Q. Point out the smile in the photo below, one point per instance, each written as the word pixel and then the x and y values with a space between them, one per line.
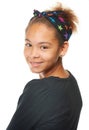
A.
pixel 35 64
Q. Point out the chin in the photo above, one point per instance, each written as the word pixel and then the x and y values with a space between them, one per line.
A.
pixel 35 71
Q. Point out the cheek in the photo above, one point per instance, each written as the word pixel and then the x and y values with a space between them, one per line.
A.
pixel 50 57
pixel 25 52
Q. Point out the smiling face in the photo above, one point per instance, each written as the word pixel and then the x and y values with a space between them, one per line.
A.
pixel 42 49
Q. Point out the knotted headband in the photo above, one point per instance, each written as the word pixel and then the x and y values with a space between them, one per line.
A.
pixel 57 18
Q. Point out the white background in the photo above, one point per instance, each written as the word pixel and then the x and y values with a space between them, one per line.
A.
pixel 14 72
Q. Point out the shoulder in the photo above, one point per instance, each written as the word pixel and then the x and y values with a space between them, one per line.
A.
pixel 48 92
pixel 51 87
pixel 35 85
pixel 48 83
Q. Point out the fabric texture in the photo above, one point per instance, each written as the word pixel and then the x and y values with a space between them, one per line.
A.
pixel 58 20
pixel 48 104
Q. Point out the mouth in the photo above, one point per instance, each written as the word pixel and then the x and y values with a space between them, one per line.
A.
pixel 35 64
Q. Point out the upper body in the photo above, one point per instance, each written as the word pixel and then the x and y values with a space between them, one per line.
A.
pixel 52 102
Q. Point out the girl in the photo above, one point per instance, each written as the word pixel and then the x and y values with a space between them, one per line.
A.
pixel 52 102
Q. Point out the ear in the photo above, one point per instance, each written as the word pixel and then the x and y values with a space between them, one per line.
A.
pixel 63 49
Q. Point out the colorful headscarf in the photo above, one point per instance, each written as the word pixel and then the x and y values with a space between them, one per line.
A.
pixel 57 18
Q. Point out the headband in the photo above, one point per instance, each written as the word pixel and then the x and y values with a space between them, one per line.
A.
pixel 57 18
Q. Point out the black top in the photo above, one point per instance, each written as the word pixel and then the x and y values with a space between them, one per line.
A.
pixel 48 104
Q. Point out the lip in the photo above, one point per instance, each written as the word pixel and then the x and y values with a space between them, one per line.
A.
pixel 35 64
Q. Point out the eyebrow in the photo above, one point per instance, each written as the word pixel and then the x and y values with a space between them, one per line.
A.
pixel 39 42
pixel 27 40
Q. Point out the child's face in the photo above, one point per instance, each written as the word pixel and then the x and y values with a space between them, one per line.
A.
pixel 42 49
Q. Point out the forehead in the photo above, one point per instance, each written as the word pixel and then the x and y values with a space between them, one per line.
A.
pixel 40 31
pixel 39 28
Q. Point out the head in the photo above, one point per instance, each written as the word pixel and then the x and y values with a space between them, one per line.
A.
pixel 45 42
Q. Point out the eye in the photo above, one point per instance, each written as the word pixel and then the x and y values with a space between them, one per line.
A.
pixel 28 45
pixel 44 47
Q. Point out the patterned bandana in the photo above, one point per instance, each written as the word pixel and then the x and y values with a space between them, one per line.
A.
pixel 57 18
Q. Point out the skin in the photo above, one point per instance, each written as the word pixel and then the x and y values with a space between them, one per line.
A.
pixel 43 51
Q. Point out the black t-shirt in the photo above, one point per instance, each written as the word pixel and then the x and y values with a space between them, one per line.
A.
pixel 48 104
